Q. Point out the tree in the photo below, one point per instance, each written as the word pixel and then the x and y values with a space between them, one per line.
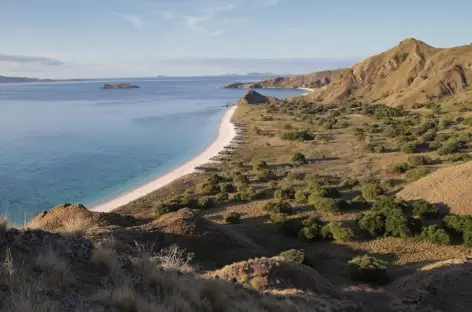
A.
pixel 298 158
pixel 371 190
pixel 368 269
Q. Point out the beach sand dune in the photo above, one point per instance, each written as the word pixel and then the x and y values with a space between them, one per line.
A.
pixel 226 134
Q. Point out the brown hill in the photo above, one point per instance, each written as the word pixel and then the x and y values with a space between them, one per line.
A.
pixel 449 186
pixel 253 97
pixel 412 72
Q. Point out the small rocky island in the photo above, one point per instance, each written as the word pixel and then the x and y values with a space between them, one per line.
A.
pixel 120 86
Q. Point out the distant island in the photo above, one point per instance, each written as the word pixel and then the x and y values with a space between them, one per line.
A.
pixel 120 86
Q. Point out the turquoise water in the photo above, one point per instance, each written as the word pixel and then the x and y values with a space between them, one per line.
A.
pixel 73 142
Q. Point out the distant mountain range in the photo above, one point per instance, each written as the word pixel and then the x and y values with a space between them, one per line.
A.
pixel 411 72
pixel 21 79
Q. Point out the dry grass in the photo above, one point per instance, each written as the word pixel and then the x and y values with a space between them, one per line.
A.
pixel 4 223
pixel 55 271
pixel 76 227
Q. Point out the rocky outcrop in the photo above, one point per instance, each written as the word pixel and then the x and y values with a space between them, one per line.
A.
pixel 253 97
pixel 120 86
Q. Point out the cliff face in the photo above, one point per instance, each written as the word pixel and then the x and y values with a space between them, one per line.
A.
pixel 412 72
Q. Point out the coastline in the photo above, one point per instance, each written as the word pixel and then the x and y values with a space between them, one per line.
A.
pixel 306 89
pixel 226 133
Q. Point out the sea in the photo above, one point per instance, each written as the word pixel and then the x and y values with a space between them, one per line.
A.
pixel 75 142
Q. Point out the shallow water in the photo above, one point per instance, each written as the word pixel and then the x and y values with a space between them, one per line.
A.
pixel 73 142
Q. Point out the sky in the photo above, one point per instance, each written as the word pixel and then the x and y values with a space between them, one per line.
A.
pixel 63 39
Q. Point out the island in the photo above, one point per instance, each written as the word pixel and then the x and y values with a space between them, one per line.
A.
pixel 120 86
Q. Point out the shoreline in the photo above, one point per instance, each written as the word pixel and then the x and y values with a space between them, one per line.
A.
pixel 226 133
pixel 306 89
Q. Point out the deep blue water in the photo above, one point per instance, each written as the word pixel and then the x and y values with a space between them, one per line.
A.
pixel 73 142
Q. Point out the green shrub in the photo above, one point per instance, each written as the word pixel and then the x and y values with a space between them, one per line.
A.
pixel 371 190
pixel 207 188
pixel 222 196
pixel 372 223
pixel 409 148
pixel 434 145
pixel 240 179
pixel 467 237
pixel 385 204
pixel 420 160
pixel 310 233
pixel 205 203
pixel 294 255
pixel 298 158
pixel 300 197
pixel 368 269
pixel 424 209
pixel 458 223
pixel 324 204
pixel 334 230
pixel 416 174
pixel 298 136
pixel 233 218
pixel 375 148
pixel 436 235
pixel 160 210
pixel 400 168
pixel 359 202
pixel 226 187
pixel 460 157
pixel 397 224
pixel 259 165
pixel 278 207
pixel 284 194
pixel 265 174
pixel 276 217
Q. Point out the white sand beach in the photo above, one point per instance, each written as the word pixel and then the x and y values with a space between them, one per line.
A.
pixel 306 89
pixel 226 134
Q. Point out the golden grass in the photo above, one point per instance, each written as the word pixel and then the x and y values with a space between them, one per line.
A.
pixel 76 227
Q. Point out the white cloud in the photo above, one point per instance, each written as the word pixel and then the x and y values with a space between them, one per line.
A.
pixel 271 2
pixel 168 15
pixel 195 21
pixel 135 20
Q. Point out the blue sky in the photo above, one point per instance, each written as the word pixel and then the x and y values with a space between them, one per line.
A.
pixel 132 38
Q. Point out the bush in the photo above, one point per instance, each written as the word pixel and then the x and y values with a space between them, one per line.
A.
pixel 298 158
pixel 368 269
pixel 371 190
pixel 300 197
pixel 284 194
pixel 458 223
pixel 222 196
pixel 233 218
pixel 397 224
pixel 400 168
pixel 240 179
pixel 226 187
pixel 434 145
pixel 436 235
pixel 264 174
pixel 420 160
pixel 385 204
pixel 335 231
pixel 416 174
pixel 293 255
pixel 205 203
pixel 467 237
pixel 372 223
pixel 409 148
pixel 311 229
pixel 207 188
pixel 278 207
pixel 160 210
pixel 298 136
pixel 324 204
pixel 359 202
pixel 259 165
pixel 424 209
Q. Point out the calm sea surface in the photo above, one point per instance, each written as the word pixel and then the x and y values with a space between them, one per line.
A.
pixel 73 142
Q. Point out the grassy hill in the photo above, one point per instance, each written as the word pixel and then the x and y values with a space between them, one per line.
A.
pixel 409 73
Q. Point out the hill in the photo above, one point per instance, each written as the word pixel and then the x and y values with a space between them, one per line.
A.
pixel 448 186
pixel 19 79
pixel 411 72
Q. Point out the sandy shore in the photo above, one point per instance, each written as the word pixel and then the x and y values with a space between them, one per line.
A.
pixel 226 134
pixel 306 89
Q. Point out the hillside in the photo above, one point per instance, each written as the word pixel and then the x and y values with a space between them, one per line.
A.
pixel 411 72
pixel 448 186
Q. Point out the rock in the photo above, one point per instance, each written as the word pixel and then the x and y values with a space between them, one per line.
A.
pixel 120 86
pixel 253 97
